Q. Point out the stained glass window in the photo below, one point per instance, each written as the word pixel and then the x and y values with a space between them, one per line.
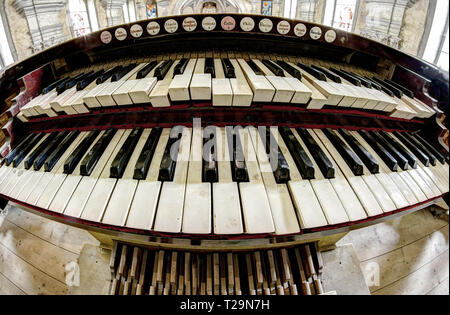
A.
pixel 151 9
pixel 79 21
pixel 344 14
pixel 266 7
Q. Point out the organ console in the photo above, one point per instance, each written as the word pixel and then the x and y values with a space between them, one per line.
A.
pixel 230 138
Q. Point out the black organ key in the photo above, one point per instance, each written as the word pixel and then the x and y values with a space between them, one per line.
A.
pixel 180 66
pixel 315 73
pixel 146 156
pixel 415 150
pixel 63 85
pixel 228 69
pixel 239 166
pixel 412 161
pixel 325 165
pixel 37 152
pixel 237 159
pixel 59 151
pixel 296 73
pixel 422 148
pixel 388 86
pixel 347 154
pixel 120 74
pixel 401 160
pixel 365 156
pixel 281 171
pixel 381 87
pixel 390 161
pixel 162 69
pixel 169 159
pixel 93 156
pixel 12 155
pixel 89 79
pixel 48 150
pixel 273 67
pixel 330 75
pixel 254 67
pixel 76 156
pixel 209 67
pixel 122 158
pixel 301 159
pixel 439 156
pixel 27 149
pixel 53 85
pixel 108 74
pixel 346 76
pixel 404 90
pixel 209 162
pixel 364 81
pixel 73 83
pixel 146 70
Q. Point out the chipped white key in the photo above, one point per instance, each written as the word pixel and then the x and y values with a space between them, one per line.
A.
pixel 119 204
pixel 81 194
pixel 197 202
pixel 283 212
pixel 171 201
pixel 227 215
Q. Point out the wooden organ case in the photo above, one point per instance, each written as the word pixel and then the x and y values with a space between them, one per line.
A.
pixel 358 131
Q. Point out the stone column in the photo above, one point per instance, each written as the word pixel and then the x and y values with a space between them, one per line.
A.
pixel 44 21
pixel 114 11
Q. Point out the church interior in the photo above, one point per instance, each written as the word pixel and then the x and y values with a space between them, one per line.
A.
pixel 356 204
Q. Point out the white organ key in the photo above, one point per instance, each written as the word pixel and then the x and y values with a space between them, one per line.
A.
pixel 283 92
pixel 263 91
pixel 423 173
pixel 242 93
pixel 179 87
pixel 200 87
pixel 41 187
pixel 57 102
pixel 18 174
pixel 372 183
pixel 255 204
pixel 119 204
pixel 24 177
pixel 143 209
pixel 349 198
pixel 226 202
pixel 171 200
pixel 404 183
pixel 359 186
pixel 383 176
pixel 197 202
pixel 159 96
pixel 222 93
pixel 67 188
pixel 302 94
pixel 54 184
pixel 329 91
pixel 105 96
pixel 329 200
pixel 140 93
pixel 28 109
pixel 317 99
pixel 104 186
pixel 309 211
pixel 81 195
pixel 283 212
